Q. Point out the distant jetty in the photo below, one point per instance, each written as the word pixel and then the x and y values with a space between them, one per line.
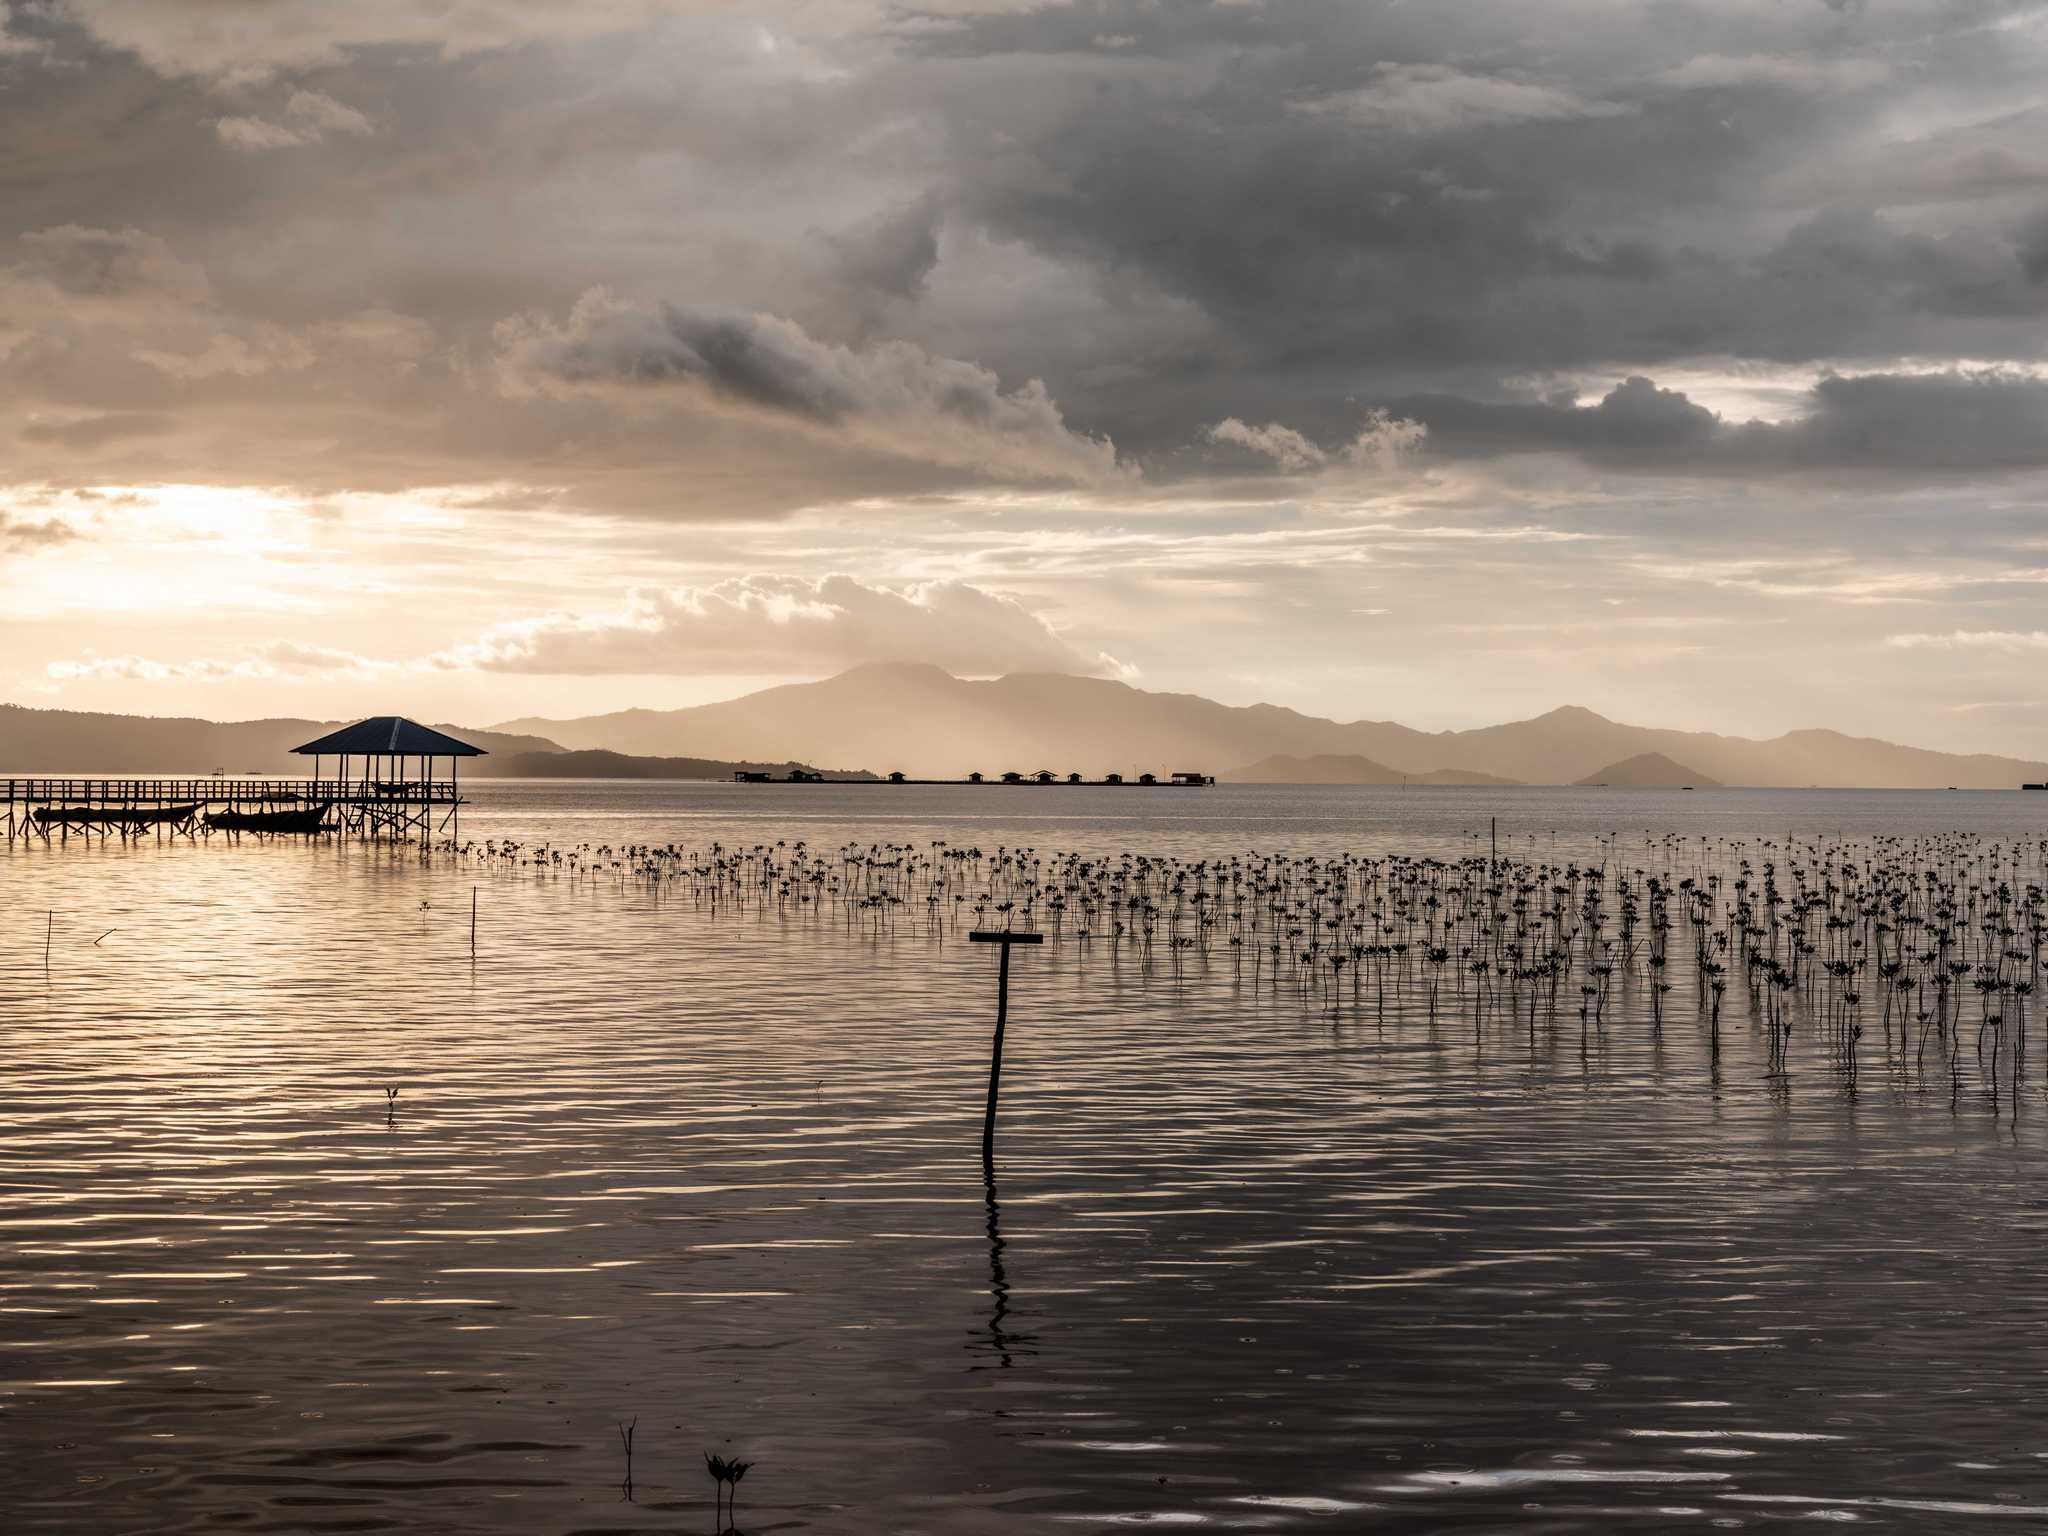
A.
pixel 1186 778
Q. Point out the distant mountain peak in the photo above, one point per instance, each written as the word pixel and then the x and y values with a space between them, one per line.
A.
pixel 921 719
pixel 1649 770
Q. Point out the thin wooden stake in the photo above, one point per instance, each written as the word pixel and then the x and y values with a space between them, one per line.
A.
pixel 1005 938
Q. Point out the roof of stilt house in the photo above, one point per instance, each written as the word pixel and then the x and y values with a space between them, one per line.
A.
pixel 388 735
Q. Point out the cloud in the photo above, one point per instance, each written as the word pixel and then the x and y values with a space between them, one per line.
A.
pixel 1275 214
pixel 1384 441
pixel 1425 99
pixel 1791 72
pixel 759 625
pixel 887 221
pixel 240 39
pixel 109 264
pixel 1381 443
pixel 253 133
pixel 273 660
pixel 12 42
pixel 1957 421
pixel 2009 642
pixel 787 625
pixel 891 253
pixel 85 433
pixel 323 114
pixel 891 396
pixel 1283 445
pixel 1943 424
pixel 19 534
pixel 290 656
pixel 86 303
pixel 314 116
pixel 1351 227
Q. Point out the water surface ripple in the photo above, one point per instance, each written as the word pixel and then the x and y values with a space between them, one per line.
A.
pixel 1245 1266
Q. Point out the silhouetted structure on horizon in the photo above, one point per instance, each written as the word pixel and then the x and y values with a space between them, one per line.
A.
pixel 388 799
pixel 395 794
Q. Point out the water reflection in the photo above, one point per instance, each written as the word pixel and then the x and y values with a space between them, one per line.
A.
pixel 1001 1341
pixel 1307 1272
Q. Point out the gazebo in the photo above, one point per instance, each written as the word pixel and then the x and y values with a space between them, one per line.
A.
pixel 386 798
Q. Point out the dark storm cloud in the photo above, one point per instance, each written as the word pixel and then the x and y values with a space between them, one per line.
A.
pixel 1016 232
pixel 893 393
pixel 1902 425
pixel 892 254
pixel 1959 422
pixel 1340 214
pixel 1359 195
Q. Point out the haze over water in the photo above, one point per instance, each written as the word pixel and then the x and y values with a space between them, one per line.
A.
pixel 1249 1264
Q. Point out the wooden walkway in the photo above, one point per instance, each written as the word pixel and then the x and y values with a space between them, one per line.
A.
pixel 136 807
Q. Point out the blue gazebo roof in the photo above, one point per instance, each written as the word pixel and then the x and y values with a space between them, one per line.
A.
pixel 388 735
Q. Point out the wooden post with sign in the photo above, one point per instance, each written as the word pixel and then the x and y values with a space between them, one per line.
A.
pixel 1006 938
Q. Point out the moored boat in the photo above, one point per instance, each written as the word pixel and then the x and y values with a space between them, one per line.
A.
pixel 311 818
pixel 113 815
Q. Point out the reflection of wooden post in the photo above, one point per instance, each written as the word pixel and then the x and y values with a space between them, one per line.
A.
pixel 1005 938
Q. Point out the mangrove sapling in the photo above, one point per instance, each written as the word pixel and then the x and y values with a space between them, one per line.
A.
pixel 626 1428
pixel 1805 924
pixel 725 1476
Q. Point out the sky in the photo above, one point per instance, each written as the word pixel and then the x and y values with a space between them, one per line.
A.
pixel 1445 363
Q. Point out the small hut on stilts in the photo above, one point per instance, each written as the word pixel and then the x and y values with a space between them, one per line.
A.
pixel 384 783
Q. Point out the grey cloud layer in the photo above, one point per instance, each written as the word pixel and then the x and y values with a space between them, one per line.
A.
pixel 238 39
pixel 739 259
pixel 893 395
pixel 1916 425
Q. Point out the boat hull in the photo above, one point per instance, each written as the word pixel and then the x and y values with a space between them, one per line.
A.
pixel 113 815
pixel 307 820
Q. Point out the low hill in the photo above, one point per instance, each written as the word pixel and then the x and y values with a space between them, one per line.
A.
pixel 1649 770
pixel 618 765
pixel 60 741
pixel 928 723
pixel 1346 768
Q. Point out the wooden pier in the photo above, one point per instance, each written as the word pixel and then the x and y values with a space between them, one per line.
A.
pixel 384 787
pixel 124 808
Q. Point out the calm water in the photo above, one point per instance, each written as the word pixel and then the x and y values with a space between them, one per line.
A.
pixel 1247 1265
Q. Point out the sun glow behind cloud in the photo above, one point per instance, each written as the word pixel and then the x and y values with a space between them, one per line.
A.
pixel 151 550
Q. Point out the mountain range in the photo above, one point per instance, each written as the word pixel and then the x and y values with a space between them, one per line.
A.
pixel 60 741
pixel 928 723
pixel 924 721
pixel 1345 768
